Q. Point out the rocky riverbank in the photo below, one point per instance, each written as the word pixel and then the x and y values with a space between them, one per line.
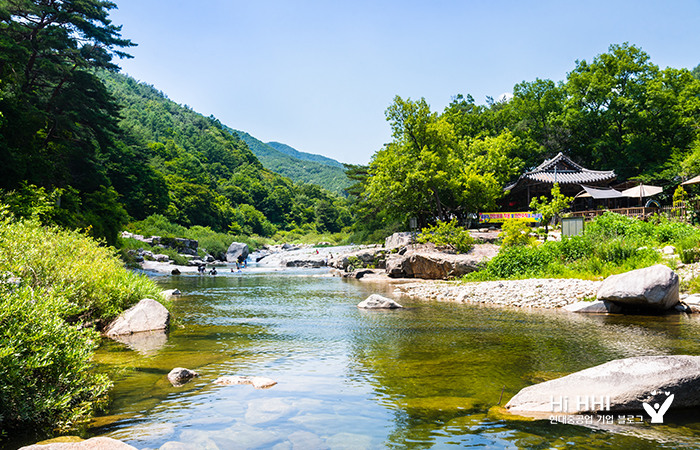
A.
pixel 530 293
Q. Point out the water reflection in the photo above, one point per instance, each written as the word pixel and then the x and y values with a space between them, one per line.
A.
pixel 423 377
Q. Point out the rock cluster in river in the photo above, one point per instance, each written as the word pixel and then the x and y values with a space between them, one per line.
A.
pixel 530 293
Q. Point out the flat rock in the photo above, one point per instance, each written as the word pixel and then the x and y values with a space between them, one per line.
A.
pixel 146 315
pixel 376 301
pixel 629 383
pixel 596 307
pixel 96 443
pixel 397 240
pixel 256 382
pixel 655 287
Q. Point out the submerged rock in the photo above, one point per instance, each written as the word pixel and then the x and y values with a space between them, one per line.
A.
pixel 655 287
pixel 376 301
pixel 256 382
pixel 619 385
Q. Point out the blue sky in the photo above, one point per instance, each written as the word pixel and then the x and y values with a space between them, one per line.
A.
pixel 318 75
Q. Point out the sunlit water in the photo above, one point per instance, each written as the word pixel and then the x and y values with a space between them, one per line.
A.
pixel 420 377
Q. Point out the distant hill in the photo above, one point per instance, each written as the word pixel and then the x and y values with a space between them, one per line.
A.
pixel 300 167
pixel 284 148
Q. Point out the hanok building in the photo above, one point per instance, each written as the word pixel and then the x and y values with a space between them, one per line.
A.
pixel 570 176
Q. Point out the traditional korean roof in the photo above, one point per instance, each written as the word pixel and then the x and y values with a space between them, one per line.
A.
pixel 563 170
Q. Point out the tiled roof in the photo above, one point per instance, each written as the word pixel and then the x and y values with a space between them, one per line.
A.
pixel 563 170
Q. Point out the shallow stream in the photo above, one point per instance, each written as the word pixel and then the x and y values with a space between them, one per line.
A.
pixel 421 377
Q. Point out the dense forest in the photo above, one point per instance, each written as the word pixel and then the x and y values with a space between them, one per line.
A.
pixel 617 112
pixel 105 149
pixel 298 166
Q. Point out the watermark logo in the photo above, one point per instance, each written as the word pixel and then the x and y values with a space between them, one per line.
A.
pixel 656 412
pixel 583 403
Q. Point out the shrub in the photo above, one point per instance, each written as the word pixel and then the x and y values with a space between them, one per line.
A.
pixel 54 282
pixel 448 234
pixel 46 376
pixel 518 261
pixel 516 232
pixel 688 248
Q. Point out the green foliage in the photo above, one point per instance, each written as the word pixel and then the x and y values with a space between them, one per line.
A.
pixel 516 232
pixel 88 275
pixel 47 381
pixel 55 285
pixel 610 244
pixel 428 172
pixel 549 208
pixel 298 166
pixel 448 234
pixel 679 196
pixel 688 249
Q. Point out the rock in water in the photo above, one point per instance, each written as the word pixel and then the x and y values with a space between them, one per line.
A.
pixel 146 315
pixel 596 307
pixel 376 301
pixel 179 376
pixel 256 382
pixel 627 383
pixel 237 251
pixel 654 287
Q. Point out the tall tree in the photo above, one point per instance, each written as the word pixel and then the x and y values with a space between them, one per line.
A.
pixel 626 114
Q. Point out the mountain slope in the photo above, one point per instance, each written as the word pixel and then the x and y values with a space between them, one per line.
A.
pixel 330 177
pixel 294 153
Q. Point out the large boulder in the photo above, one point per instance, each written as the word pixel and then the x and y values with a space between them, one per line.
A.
pixel 237 251
pixel 654 287
pixel 146 315
pixel 435 265
pixel 376 301
pixel 627 383
pixel 397 240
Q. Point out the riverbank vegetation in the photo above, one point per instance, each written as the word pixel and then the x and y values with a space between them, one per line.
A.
pixel 610 244
pixel 57 288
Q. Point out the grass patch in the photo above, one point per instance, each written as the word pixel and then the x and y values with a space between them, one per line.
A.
pixel 611 244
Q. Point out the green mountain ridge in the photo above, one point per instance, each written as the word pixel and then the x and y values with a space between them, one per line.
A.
pixel 304 168
pixel 291 151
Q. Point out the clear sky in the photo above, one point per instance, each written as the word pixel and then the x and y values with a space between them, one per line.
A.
pixel 318 75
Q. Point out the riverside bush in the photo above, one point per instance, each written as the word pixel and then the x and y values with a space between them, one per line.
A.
pixel 46 376
pixel 447 234
pixel 55 284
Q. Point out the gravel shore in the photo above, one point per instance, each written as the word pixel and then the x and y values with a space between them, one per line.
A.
pixel 531 293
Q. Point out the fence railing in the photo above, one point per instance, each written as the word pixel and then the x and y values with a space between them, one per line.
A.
pixel 672 212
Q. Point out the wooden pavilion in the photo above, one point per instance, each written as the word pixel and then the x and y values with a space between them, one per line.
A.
pixel 570 176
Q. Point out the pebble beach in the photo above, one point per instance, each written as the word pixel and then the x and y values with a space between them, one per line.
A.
pixel 529 293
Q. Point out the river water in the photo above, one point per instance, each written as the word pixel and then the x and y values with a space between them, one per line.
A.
pixel 422 377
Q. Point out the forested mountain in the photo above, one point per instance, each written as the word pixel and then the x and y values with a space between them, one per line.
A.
pixel 97 149
pixel 299 166
pixel 291 151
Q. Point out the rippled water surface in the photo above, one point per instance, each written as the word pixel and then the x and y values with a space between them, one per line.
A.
pixel 422 377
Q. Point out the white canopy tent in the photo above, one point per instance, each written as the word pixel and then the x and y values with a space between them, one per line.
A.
pixel 643 190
